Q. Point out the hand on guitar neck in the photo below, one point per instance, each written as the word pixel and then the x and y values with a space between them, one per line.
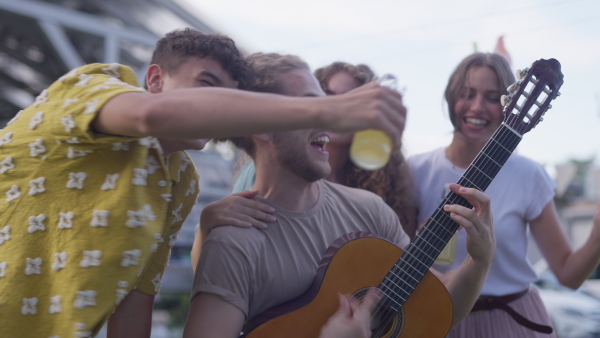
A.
pixel 481 246
pixel 481 242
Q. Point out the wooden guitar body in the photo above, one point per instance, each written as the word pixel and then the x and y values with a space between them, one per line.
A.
pixel 353 263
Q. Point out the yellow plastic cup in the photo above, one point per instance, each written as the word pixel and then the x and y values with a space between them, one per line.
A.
pixel 370 149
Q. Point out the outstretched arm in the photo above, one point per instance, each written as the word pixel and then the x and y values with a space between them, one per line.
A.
pixel 571 268
pixel 196 113
pixel 464 283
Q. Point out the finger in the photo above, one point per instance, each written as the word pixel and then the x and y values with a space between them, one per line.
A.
pixel 463 216
pixel 251 193
pixel 237 222
pixel 363 311
pixel 256 205
pixel 255 214
pixel 482 215
pixel 253 222
pixel 393 121
pixel 369 301
pixel 396 104
pixel 475 197
pixel 396 101
pixel 393 131
pixel 353 302
pixel 391 113
pixel 345 308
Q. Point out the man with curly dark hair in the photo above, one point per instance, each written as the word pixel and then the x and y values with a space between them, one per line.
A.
pixel 115 154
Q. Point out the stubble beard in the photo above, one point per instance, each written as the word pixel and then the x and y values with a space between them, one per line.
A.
pixel 298 162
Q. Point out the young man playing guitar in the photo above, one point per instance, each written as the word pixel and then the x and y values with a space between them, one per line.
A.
pixel 243 272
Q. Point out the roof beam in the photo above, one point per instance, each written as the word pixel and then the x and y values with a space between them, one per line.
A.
pixel 63 46
pixel 84 22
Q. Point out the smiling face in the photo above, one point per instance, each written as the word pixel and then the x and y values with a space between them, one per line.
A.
pixel 478 109
pixel 302 151
pixel 193 73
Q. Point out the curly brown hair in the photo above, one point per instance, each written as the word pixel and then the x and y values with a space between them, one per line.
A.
pixel 179 46
pixel 361 73
pixel 393 183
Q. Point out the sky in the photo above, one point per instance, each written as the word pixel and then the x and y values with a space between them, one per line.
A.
pixel 421 42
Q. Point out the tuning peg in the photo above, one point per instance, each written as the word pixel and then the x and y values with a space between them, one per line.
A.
pixel 521 73
pixel 505 99
pixel 557 95
pixel 514 87
pixel 549 107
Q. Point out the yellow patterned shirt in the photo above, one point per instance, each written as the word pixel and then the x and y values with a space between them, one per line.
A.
pixel 84 217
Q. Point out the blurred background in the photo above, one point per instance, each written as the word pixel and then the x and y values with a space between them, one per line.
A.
pixel 419 42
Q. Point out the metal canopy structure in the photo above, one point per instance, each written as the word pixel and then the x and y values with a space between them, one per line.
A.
pixel 40 40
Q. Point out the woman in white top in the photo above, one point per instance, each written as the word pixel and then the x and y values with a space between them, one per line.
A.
pixel 522 195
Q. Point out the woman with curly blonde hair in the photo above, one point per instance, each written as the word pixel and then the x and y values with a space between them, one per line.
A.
pixel 392 182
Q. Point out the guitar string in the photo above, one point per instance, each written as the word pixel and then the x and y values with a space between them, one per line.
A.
pixel 410 259
pixel 511 137
pixel 412 256
pixel 477 177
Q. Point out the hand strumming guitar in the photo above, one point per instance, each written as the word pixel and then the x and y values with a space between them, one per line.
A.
pixel 352 319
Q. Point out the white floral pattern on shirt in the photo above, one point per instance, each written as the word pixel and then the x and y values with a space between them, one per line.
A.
pixel 60 260
pixel 6 165
pixel 36 120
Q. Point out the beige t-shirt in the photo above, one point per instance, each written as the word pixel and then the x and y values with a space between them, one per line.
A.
pixel 258 269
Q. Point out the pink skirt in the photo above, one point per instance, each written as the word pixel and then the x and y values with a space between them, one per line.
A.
pixel 497 323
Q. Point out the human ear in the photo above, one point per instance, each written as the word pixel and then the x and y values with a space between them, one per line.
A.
pixel 154 78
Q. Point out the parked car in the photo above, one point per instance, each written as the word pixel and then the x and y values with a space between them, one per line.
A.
pixel 574 313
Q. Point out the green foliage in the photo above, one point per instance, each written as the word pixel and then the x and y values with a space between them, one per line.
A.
pixel 177 304
pixel 576 188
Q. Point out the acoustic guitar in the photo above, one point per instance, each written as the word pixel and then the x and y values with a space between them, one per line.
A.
pixel 414 303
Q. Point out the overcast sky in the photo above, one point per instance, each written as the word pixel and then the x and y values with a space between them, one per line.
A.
pixel 421 42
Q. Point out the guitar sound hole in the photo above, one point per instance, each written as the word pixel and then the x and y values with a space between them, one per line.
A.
pixel 386 322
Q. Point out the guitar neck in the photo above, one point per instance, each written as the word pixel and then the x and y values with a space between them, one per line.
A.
pixel 420 255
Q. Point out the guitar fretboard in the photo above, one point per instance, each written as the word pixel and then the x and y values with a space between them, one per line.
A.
pixel 420 255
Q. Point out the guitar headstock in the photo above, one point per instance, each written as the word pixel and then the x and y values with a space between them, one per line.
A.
pixel 535 86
